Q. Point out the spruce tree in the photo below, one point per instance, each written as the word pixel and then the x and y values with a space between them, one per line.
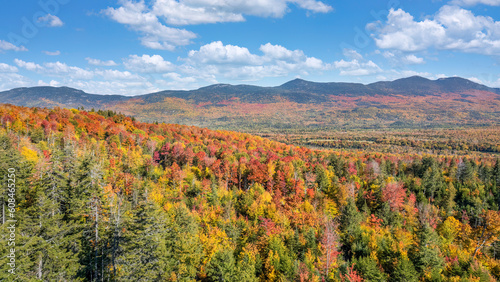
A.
pixel 143 253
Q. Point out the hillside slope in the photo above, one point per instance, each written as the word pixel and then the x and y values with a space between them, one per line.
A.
pixel 404 103
pixel 106 197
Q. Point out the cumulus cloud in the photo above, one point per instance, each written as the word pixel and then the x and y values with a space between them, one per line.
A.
pixel 62 69
pixel 138 17
pixel 475 79
pixel 357 68
pixel 49 53
pixel 356 65
pixel 56 69
pixel 28 65
pixel 207 65
pixel 352 54
pixel 237 62
pixel 7 46
pixel 122 87
pixel 152 20
pixel 181 13
pixel 148 64
pixel 5 68
pixel 13 80
pixel 51 21
pixel 118 75
pixel 97 62
pixel 451 28
pixel 102 81
pixel 413 60
pixel 476 2
pixel 53 83
pixel 187 12
pixel 279 52
pixel 217 53
pixel 175 80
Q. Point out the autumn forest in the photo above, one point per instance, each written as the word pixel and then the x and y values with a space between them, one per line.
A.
pixel 103 197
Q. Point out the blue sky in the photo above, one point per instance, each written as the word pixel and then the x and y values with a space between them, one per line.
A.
pixel 134 47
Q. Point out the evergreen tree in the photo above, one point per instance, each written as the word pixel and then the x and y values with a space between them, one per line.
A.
pixel 88 208
pixel 425 254
pixel 183 247
pixel 404 272
pixel 350 229
pixel 368 268
pixel 222 266
pixel 143 252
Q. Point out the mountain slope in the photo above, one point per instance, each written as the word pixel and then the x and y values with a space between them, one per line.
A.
pixel 412 102
pixel 46 96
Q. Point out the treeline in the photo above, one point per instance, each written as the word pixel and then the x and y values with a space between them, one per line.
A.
pixel 101 198
pixel 374 143
pixel 444 141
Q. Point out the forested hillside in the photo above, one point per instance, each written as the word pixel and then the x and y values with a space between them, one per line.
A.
pixel 103 197
pixel 408 103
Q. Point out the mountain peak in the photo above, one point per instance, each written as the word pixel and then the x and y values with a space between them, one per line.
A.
pixel 298 82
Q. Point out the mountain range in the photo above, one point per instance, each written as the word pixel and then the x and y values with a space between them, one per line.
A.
pixel 409 102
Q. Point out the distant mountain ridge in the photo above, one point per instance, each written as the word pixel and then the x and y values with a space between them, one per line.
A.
pixel 297 90
pixel 408 102
pixel 48 96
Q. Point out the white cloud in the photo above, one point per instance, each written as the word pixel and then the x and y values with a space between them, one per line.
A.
pixel 452 28
pixel 281 53
pixel 476 2
pixel 28 65
pixel 352 54
pixel 7 46
pixel 5 68
pixel 53 83
pixel 55 53
pixel 97 62
pixel 399 59
pixel 56 69
pixel 51 21
pixel 397 74
pixel 178 78
pixel 175 80
pixel 356 65
pixel 237 62
pixel 413 60
pixel 357 68
pixel 150 20
pixel 62 69
pixel 186 12
pixel 182 13
pixel 148 64
pixel 207 65
pixel 13 80
pixel 118 75
pixel 314 63
pixel 217 53
pixel 314 6
pixel 122 87
pixel 155 35
pixel 388 55
pixel 475 79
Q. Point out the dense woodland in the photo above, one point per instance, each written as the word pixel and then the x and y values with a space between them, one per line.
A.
pixel 477 141
pixel 103 197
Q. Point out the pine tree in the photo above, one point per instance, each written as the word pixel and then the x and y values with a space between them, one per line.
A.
pixel 142 250
pixel 350 229
pixel 182 243
pixel 87 207
pixel 404 272
pixel 222 266
pixel 367 267
pixel 425 254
